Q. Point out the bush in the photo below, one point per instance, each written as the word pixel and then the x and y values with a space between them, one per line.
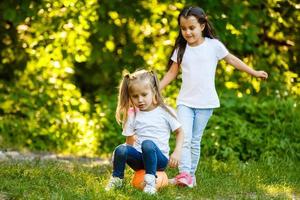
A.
pixel 253 127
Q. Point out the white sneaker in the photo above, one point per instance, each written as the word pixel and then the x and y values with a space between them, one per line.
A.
pixel 114 182
pixel 150 184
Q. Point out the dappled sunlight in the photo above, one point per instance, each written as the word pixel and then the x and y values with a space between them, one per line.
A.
pixel 86 142
pixel 278 190
pixel 291 78
pixel 110 45
pixel 60 66
pixel 256 84
pixel 115 17
pixel 61 62
pixel 239 94
pixel 231 85
pixel 232 29
pixel 96 163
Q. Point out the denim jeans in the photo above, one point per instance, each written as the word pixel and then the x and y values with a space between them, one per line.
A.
pixel 151 159
pixel 193 122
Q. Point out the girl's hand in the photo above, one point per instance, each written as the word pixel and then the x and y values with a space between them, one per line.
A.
pixel 130 140
pixel 174 159
pixel 261 74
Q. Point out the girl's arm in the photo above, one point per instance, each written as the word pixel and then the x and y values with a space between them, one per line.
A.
pixel 175 156
pixel 130 140
pixel 240 65
pixel 170 76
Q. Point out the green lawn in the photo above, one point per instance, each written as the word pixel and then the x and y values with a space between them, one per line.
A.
pixel 217 180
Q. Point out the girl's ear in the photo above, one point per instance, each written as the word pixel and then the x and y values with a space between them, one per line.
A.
pixel 202 26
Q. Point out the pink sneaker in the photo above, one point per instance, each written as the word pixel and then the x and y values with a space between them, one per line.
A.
pixel 184 179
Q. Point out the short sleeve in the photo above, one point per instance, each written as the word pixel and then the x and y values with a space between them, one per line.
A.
pixel 174 55
pixel 128 129
pixel 173 122
pixel 221 50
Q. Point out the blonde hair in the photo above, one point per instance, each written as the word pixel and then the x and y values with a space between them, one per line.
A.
pixel 124 102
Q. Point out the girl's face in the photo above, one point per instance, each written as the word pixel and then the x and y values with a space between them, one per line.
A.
pixel 191 30
pixel 142 96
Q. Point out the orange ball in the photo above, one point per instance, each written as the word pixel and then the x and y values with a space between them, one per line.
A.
pixel 138 179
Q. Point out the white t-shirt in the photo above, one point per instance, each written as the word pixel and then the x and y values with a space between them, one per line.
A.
pixel 154 125
pixel 198 74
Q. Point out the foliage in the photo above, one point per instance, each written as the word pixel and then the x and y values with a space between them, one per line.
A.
pixel 44 109
pixel 61 62
pixel 251 128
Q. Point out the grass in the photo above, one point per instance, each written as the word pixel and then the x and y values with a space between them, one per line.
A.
pixel 216 180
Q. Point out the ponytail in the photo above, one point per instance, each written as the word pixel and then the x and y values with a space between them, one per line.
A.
pixel 158 96
pixel 123 101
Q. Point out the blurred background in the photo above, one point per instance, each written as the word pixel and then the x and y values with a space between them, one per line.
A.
pixel 61 63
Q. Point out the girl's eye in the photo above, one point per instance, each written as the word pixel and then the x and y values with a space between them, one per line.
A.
pixel 144 94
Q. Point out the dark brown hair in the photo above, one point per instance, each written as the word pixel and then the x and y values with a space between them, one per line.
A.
pixel 180 42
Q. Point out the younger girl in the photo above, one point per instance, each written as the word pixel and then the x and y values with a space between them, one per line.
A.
pixel 147 123
pixel 197 53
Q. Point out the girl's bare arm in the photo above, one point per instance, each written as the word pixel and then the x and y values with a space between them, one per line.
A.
pixel 240 65
pixel 175 156
pixel 169 76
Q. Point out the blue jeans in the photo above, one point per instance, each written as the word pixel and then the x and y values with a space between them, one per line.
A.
pixel 151 159
pixel 193 122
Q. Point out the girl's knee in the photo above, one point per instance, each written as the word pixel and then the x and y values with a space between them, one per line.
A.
pixel 148 145
pixel 121 150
